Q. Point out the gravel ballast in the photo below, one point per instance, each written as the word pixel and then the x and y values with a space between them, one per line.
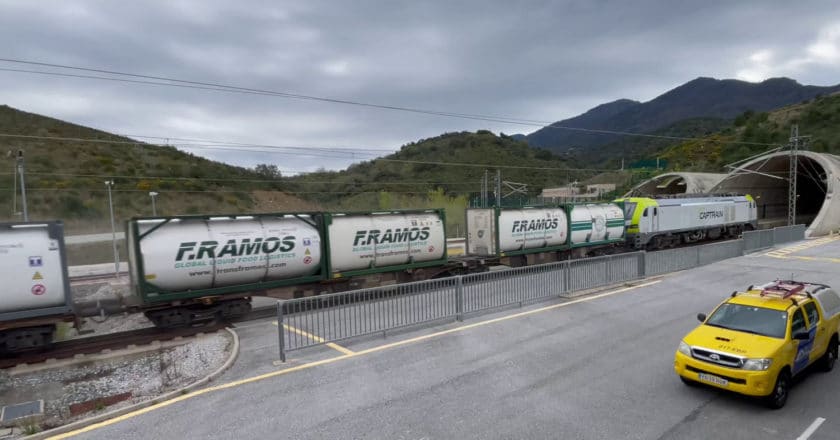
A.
pixel 84 389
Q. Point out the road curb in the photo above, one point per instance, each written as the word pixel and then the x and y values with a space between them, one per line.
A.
pixel 146 403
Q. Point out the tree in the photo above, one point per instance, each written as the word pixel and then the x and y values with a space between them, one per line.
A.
pixel 268 171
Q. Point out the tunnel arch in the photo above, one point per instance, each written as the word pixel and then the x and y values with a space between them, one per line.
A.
pixel 677 183
pixel 766 179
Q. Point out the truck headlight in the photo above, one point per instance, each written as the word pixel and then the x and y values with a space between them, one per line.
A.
pixel 757 364
pixel 684 348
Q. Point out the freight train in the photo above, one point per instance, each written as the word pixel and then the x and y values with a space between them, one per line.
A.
pixel 189 269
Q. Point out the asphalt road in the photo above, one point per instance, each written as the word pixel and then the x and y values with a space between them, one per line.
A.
pixel 600 368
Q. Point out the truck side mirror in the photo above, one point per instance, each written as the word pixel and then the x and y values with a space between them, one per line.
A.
pixel 802 336
pixel 701 317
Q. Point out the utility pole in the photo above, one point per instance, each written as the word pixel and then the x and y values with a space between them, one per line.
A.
pixel 14 187
pixel 498 188
pixel 109 184
pixel 794 165
pixel 152 194
pixel 20 170
pixel 484 189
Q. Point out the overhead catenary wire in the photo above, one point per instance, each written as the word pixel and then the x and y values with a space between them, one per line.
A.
pixel 214 179
pixel 198 191
pixel 177 82
pixel 218 145
pixel 442 163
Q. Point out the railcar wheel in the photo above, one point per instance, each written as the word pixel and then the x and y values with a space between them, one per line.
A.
pixel 169 318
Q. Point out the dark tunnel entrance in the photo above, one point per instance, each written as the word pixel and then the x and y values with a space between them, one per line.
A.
pixel 767 181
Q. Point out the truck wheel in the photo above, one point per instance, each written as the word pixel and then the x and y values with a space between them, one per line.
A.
pixel 830 357
pixel 778 397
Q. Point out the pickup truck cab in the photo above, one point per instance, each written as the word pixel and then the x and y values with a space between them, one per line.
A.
pixel 754 342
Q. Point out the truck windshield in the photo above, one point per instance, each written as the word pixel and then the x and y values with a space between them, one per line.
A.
pixel 749 319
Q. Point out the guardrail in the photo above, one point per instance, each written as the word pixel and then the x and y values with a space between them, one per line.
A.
pixel 307 322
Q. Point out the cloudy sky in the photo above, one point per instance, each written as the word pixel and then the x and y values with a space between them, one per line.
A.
pixel 529 60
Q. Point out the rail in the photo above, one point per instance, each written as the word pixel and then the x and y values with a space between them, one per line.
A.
pixel 96 344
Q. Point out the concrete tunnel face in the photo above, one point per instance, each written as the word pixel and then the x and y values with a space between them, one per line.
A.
pixel 767 180
pixel 664 185
pixel 677 183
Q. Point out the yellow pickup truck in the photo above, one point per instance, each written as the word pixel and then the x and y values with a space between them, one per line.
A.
pixel 754 342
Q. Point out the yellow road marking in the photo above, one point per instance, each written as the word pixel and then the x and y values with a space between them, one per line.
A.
pixel 802 257
pixel 316 338
pixel 784 252
pixel 309 365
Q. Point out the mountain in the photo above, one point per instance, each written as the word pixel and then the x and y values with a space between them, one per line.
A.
pixel 755 132
pixel 700 98
pixel 452 162
pixel 439 172
pixel 66 166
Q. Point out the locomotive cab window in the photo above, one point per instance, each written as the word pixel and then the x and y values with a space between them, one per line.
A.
pixel 645 213
pixel 655 211
pixel 629 209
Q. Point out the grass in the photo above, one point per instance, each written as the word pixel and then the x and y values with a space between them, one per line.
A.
pixel 29 425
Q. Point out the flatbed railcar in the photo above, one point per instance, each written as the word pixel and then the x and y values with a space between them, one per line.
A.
pixel 535 235
pixel 35 295
pixel 191 268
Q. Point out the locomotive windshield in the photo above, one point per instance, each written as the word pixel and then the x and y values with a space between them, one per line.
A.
pixel 629 209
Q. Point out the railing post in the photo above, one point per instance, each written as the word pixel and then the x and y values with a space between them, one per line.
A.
pixel 642 264
pixel 567 277
pixel 280 331
pixel 607 262
pixel 459 298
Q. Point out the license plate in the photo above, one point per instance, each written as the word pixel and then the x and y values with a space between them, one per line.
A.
pixel 713 379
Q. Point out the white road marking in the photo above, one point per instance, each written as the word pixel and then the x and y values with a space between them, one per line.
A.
pixel 811 429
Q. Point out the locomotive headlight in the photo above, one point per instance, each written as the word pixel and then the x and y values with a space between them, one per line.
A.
pixel 757 364
pixel 684 348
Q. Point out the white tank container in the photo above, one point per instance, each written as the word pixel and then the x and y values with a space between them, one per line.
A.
pixel 366 241
pixel 31 270
pixel 189 254
pixel 534 228
pixel 594 223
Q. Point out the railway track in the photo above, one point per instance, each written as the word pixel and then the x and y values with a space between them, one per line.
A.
pixel 98 344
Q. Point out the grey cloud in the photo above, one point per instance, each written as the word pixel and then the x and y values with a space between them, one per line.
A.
pixel 534 60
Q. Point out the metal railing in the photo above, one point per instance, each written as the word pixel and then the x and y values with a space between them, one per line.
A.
pixel 307 322
pixel 767 238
